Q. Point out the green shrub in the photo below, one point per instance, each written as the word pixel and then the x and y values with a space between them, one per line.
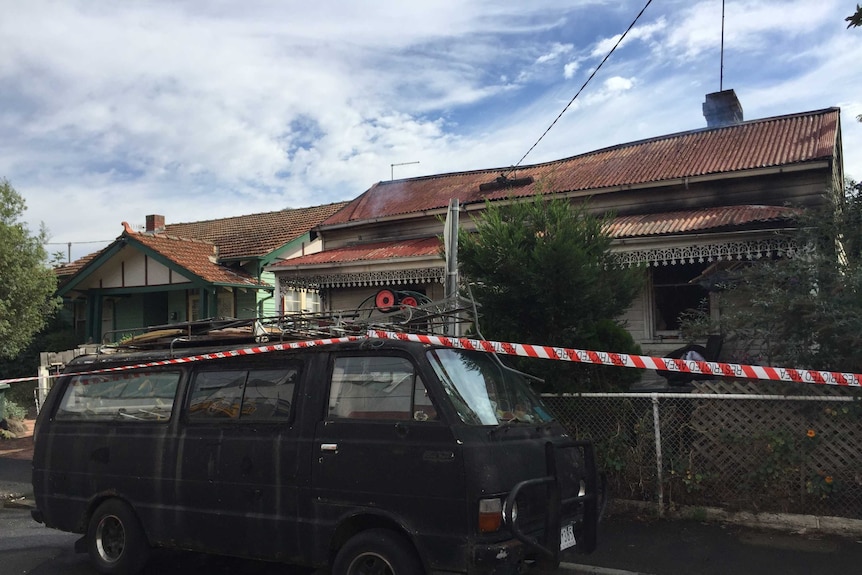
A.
pixel 13 410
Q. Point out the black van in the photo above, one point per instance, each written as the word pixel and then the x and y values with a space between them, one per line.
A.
pixel 369 456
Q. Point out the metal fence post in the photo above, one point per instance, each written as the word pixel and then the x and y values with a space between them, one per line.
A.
pixel 658 462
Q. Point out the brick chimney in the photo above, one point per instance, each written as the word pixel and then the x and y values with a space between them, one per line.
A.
pixel 155 224
pixel 722 109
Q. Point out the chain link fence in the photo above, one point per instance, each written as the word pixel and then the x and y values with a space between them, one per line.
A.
pixel 752 446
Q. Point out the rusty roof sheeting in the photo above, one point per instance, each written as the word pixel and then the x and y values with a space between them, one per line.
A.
pixel 771 142
pixel 622 227
pixel 376 251
pixel 696 220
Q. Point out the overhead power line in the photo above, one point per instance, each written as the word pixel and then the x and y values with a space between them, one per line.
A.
pixel 560 115
pixel 76 243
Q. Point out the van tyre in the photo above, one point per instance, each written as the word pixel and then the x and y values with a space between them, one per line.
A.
pixel 115 540
pixel 377 552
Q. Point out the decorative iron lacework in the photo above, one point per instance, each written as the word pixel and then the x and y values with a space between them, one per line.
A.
pixel 750 250
pixel 743 250
pixel 363 279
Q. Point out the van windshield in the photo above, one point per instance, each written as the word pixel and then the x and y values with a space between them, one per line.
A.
pixel 483 391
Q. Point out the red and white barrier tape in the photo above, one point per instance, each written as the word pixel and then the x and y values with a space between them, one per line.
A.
pixel 635 361
pixel 206 356
pixel 714 368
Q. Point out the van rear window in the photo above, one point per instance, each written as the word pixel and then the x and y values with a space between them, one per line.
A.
pixel 131 396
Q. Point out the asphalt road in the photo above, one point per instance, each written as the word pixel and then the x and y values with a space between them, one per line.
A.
pixel 628 544
pixel 29 548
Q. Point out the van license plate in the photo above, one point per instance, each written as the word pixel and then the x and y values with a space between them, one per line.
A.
pixel 567 537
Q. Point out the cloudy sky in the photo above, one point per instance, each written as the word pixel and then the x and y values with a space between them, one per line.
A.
pixel 203 109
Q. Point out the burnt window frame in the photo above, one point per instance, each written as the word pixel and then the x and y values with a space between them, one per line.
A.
pixel 689 270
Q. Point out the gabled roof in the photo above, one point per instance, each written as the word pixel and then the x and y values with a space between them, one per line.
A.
pixel 790 140
pixel 255 235
pixel 196 256
pixel 376 251
pixel 65 271
pixel 189 257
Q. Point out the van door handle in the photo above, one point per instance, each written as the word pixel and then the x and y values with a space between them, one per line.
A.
pixel 329 447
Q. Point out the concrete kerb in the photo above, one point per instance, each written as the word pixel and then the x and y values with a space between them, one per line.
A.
pixel 788 522
pixel 15 502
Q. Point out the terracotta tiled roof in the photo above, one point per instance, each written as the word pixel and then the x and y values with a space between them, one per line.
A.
pixel 65 271
pixel 377 251
pixel 696 220
pixel 255 235
pixel 780 141
pixel 196 256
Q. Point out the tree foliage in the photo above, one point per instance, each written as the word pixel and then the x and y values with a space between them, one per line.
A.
pixel 27 284
pixel 855 19
pixel 543 273
pixel 806 310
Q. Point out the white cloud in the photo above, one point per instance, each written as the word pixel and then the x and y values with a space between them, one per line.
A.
pixel 642 32
pixel 199 110
pixel 555 52
pixel 618 84
pixel 570 68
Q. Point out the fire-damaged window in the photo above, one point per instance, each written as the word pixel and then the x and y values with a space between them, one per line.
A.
pixel 675 289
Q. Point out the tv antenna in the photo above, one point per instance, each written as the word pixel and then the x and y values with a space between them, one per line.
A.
pixel 392 168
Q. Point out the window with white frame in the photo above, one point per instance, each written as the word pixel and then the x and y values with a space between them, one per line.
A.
pixel 291 301
pixel 312 301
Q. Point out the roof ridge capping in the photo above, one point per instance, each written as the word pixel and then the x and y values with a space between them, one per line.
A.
pixel 512 169
pixel 783 117
pixel 256 214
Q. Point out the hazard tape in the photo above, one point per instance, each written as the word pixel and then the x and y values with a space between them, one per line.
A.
pixel 634 361
pixel 714 368
pixel 207 356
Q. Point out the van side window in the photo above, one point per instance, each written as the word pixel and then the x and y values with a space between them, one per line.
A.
pixel 216 394
pixel 255 394
pixel 125 396
pixel 268 393
pixel 378 387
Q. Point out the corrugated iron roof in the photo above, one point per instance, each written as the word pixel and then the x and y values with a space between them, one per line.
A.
pixel 771 142
pixel 376 251
pixel 696 220
pixel 255 235
pixel 729 217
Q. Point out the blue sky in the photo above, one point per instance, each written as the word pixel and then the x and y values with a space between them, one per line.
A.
pixel 198 109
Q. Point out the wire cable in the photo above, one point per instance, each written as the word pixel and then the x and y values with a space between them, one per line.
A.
pixel 560 115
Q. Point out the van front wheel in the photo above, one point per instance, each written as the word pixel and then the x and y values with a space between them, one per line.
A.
pixel 115 540
pixel 377 552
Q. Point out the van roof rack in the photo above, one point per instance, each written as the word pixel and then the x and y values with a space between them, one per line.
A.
pixel 453 317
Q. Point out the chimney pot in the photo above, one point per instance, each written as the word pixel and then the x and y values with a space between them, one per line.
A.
pixel 722 109
pixel 155 223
